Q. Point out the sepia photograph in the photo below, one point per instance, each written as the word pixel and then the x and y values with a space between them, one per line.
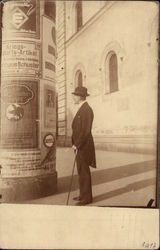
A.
pixel 79 106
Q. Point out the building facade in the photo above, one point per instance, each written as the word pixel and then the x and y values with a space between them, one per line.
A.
pixel 110 47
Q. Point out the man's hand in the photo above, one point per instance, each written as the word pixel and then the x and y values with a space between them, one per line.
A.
pixel 75 149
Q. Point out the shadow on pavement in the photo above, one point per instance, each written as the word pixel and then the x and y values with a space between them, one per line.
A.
pixel 131 187
pixel 107 175
pixel 112 174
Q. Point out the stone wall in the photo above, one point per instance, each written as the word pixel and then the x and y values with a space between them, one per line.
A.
pixel 126 119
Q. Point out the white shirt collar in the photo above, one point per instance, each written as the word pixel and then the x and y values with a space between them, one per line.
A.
pixel 81 103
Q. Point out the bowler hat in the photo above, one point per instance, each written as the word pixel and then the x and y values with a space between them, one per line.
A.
pixel 80 91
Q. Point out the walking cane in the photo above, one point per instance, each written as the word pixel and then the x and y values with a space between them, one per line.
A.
pixel 72 177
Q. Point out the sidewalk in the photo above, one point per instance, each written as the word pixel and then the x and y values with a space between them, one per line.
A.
pixel 121 179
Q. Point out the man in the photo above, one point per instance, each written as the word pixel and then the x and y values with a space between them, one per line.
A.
pixel 83 144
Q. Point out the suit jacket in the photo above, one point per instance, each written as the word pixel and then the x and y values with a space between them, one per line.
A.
pixel 81 134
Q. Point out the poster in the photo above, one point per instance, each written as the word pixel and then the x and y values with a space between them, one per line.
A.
pixel 22 18
pixel 21 58
pixel 49 49
pixel 19 111
pixel 50 107
pixel 21 163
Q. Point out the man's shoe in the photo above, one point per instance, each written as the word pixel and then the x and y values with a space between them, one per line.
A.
pixel 77 198
pixel 83 202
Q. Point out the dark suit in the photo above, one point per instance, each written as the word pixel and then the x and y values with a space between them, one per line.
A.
pixel 83 140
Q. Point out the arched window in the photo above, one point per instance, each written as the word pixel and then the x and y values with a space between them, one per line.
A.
pixel 79 79
pixel 50 9
pixel 78 15
pixel 111 73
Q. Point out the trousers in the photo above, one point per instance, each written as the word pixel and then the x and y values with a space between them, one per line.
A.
pixel 84 174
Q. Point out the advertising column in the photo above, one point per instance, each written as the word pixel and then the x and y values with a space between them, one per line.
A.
pixel 28 148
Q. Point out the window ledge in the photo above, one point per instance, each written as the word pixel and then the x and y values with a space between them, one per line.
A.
pixel 108 93
pixel 107 97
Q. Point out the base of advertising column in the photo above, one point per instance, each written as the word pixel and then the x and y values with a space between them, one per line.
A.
pixel 28 188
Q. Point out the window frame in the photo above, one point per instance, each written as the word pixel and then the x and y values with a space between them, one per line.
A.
pixel 78 15
pixel 107 82
pixel 78 72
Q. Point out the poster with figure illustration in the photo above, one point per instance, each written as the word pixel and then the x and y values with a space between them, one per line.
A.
pixel 50 107
pixel 19 112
